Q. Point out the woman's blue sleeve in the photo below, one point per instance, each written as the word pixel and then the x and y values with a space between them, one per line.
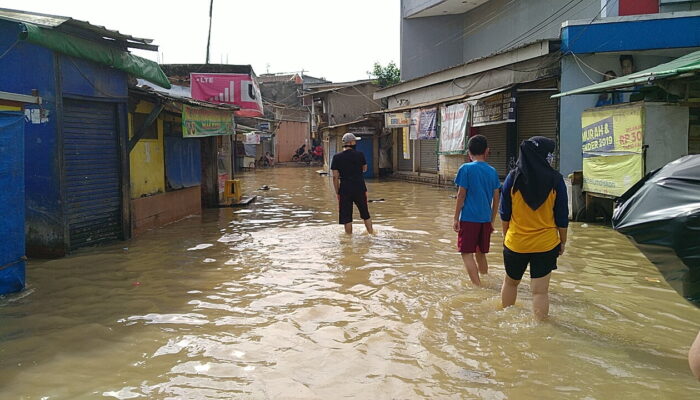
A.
pixel 505 208
pixel 561 205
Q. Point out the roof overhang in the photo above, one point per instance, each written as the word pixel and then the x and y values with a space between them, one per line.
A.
pixel 20 98
pixel 436 8
pixel 465 97
pixel 336 89
pixel 356 122
pixel 185 70
pixel 686 66
pixel 78 28
pixel 96 52
pixel 157 96
pixel 523 53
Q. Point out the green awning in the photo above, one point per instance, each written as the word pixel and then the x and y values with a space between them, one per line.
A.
pixel 687 63
pixel 93 51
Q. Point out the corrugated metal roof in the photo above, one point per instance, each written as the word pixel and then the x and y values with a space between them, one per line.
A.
pixel 456 68
pixel 420 105
pixel 70 25
pixel 267 78
pixel 43 20
pixel 175 90
pixel 330 85
pixel 465 97
pixel 153 94
pixel 185 70
pixel 335 89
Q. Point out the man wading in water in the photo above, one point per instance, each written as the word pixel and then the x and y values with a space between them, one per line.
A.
pixel 475 208
pixel 349 183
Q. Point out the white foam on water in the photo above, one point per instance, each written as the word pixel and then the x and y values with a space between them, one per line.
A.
pixel 202 367
pixel 124 393
pixel 200 246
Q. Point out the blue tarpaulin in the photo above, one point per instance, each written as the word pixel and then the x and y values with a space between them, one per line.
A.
pixel 183 165
pixel 12 265
pixel 250 150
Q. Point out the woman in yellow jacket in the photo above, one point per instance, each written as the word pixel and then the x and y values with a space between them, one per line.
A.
pixel 535 213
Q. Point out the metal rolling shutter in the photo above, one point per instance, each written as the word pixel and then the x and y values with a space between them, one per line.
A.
pixel 496 136
pixel 92 173
pixel 428 156
pixel 537 115
pixel 404 165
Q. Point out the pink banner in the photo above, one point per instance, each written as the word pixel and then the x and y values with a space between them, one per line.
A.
pixel 238 89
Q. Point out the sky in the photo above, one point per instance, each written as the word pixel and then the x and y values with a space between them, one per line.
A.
pixel 333 39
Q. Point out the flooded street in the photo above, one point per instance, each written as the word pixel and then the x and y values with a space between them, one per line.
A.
pixel 274 301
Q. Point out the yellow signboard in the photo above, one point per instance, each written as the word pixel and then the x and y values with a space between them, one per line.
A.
pixel 397 120
pixel 616 129
pixel 611 175
pixel 612 140
pixel 406 144
pixel 202 122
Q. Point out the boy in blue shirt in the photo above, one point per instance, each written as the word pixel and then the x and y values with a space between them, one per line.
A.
pixel 476 208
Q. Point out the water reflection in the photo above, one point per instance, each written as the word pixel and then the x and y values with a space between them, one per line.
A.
pixel 274 301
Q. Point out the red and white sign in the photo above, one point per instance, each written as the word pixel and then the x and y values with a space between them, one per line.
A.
pixel 238 89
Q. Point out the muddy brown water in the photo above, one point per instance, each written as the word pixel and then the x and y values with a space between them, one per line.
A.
pixel 274 301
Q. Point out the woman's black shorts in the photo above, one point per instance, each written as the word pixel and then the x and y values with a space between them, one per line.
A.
pixel 540 263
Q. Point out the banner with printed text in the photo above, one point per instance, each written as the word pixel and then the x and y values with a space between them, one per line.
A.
pixel 611 142
pixel 427 127
pixel 617 129
pixel 611 175
pixel 202 122
pixel 414 124
pixel 237 89
pixel 251 138
pixel 453 128
pixel 406 144
pixel 397 120
pixel 496 109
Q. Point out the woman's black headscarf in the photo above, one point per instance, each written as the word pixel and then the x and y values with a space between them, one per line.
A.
pixel 533 176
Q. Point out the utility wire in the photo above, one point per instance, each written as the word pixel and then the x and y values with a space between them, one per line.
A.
pixel 90 82
pixel 543 24
pixel 367 97
pixel 591 22
pixel 588 66
pixel 9 48
pixel 529 33
pixel 580 68
pixel 475 27
pixel 471 29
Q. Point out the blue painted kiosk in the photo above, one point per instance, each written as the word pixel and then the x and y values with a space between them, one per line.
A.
pixel 77 177
pixel 12 275
pixel 12 260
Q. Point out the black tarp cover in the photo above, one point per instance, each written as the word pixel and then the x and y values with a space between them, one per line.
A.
pixel 661 214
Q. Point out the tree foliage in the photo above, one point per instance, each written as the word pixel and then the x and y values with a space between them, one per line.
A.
pixel 386 76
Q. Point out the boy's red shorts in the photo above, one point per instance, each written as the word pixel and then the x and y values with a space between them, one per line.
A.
pixel 474 236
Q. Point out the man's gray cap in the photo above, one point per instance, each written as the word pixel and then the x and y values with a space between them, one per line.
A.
pixel 349 137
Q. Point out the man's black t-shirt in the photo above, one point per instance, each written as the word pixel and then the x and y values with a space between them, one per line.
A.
pixel 349 164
